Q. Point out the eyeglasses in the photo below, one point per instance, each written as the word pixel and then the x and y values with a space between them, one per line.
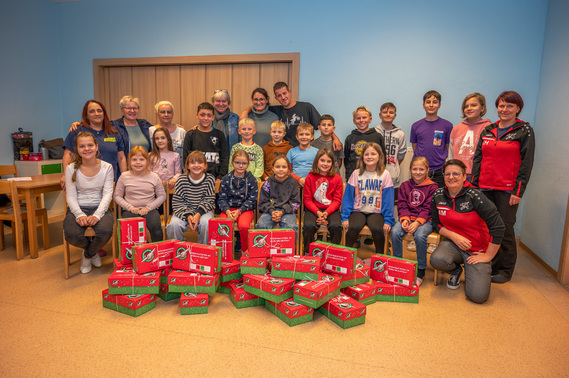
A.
pixel 240 163
pixel 131 109
pixel 453 174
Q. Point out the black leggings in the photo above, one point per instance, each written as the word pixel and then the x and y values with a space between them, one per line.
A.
pixel 310 227
pixel 375 223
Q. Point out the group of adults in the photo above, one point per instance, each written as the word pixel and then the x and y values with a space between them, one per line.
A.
pixel 501 169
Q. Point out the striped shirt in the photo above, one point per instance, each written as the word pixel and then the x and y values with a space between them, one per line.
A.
pixel 193 197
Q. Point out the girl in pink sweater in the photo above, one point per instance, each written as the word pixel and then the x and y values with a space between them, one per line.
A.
pixel 139 192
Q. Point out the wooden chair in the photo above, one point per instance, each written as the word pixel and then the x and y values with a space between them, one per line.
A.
pixel 433 238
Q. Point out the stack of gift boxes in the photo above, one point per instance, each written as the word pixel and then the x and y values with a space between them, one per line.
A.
pixel 292 287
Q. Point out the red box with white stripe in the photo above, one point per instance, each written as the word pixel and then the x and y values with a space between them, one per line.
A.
pixel 199 258
pixel 394 270
pixel 271 243
pixel 334 258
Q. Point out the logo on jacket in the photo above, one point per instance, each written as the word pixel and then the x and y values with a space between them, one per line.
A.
pixel 464 206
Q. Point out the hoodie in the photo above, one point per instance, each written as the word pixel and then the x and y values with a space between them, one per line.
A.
pixel 354 144
pixel 270 152
pixel 238 192
pixel 464 139
pixel 414 200
pixel 277 194
pixel 396 146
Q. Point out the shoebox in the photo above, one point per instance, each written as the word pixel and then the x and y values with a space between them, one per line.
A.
pixel 335 259
pixel 164 292
pixel 360 276
pixel 344 311
pixel 225 287
pixel 393 270
pixel 297 267
pixel 271 243
pixel 290 312
pixel 315 293
pixel 119 265
pixel 250 265
pixel 127 282
pixel 364 293
pixel 230 271
pixel 267 287
pixel 199 258
pixel 221 235
pixel 131 231
pixel 386 292
pixel 181 281
pixel 152 257
pixel 242 299
pixel 191 303
pixel 133 305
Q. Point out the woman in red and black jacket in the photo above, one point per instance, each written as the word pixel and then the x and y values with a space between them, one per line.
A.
pixel 501 169
pixel 473 230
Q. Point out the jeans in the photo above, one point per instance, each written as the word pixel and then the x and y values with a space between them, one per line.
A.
pixel 374 221
pixel 153 223
pixel 420 236
pixel 287 221
pixel 448 258
pixel 310 227
pixel 74 232
pixel 177 227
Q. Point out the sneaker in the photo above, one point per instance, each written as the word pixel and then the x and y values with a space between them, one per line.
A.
pixel 411 246
pixel 96 261
pixel 454 281
pixel 102 252
pixel 431 248
pixel 500 279
pixel 85 264
pixel 419 281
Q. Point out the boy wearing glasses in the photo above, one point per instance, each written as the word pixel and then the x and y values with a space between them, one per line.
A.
pixel 246 131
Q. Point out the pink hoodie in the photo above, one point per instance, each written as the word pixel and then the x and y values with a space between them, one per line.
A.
pixel 464 139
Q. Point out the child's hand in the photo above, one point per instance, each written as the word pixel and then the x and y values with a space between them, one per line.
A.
pixel 346 224
pixel 276 216
pixel 82 221
pixel 405 225
pixel 143 211
pixel 413 227
pixel 172 183
pixel 92 220
pixel 386 228
pixel 301 182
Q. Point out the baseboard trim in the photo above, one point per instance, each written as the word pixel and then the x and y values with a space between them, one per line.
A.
pixel 539 260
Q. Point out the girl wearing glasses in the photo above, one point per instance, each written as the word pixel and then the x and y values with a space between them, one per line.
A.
pixel 473 230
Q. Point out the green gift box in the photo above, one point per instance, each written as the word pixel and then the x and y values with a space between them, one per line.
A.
pixel 290 312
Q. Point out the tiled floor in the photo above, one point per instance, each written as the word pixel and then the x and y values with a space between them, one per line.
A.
pixel 55 327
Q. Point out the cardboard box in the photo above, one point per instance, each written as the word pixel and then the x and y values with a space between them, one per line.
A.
pixel 267 287
pixel 250 265
pixel 131 231
pixel 225 287
pixel 271 243
pixel 119 265
pixel 360 276
pixel 242 299
pixel 290 312
pixel 152 257
pixel 127 282
pixel 363 293
pixel 297 267
pixel 230 271
pixel 344 311
pixel 133 305
pixel 191 303
pixel 199 258
pixel 394 270
pixel 165 293
pixel 315 293
pixel 181 281
pixel 386 292
pixel 335 259
pixel 221 235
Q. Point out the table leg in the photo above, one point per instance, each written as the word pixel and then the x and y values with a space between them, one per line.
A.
pixel 32 224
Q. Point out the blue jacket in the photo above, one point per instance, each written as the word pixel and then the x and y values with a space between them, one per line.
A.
pixel 233 126
pixel 144 126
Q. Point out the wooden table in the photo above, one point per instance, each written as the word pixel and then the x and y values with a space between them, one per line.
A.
pixel 38 185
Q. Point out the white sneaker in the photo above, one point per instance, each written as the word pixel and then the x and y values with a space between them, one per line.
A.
pixel 96 261
pixel 85 264
pixel 411 246
pixel 431 248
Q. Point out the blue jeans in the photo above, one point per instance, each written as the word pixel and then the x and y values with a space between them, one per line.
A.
pixel 287 221
pixel 420 236
pixel 448 258
pixel 177 227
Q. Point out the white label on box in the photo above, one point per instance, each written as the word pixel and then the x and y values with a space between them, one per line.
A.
pixel 336 268
pixel 201 268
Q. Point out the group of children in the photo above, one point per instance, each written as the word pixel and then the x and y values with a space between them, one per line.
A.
pixel 371 156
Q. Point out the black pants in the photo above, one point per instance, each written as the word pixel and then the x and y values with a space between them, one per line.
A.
pixel 310 227
pixel 153 223
pixel 375 223
pixel 437 177
pixel 74 233
pixel 505 260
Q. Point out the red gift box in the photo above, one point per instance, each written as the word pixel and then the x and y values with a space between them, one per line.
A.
pixel 315 293
pixel 271 243
pixel 153 256
pixel 334 258
pixel 270 288
pixel 241 299
pixel 225 287
pixel 386 292
pixel 290 312
pixel 191 303
pixel 364 293
pixel 360 276
pixel 393 270
pixel 131 231
pixel 250 265
pixel 344 311
pixel 127 281
pixel 297 267
pixel 199 258
pixel 181 281
pixel 230 271
pixel 221 235
pixel 133 305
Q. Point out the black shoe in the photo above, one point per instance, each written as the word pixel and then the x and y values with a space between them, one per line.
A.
pixel 500 279
pixel 454 280
pixel 421 273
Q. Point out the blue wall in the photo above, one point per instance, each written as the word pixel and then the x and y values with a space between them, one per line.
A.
pixel 546 197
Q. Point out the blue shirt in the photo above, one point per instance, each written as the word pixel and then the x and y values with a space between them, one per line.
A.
pixel 302 160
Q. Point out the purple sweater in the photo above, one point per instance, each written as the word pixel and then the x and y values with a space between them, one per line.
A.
pixel 414 201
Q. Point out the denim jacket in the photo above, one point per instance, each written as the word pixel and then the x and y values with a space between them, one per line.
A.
pixel 144 127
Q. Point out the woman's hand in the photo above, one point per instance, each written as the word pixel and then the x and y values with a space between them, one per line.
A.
pixel 413 227
pixel 134 210
pixel 514 200
pixel 386 228
pixel 461 242
pixel 82 221
pixel 478 258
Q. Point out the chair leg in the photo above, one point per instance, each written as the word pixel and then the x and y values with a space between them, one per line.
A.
pixel 2 240
pixel 66 256
pixel 45 231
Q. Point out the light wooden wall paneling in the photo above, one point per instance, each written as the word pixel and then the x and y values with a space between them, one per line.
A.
pixel 272 73
pixel 144 88
pixel 120 84
pixel 192 93
pixel 168 88
pixel 106 90
pixel 245 80
pixel 217 76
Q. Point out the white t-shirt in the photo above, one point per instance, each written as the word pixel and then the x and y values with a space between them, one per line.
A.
pixel 95 191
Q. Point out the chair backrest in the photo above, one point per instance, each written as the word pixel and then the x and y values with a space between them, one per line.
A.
pixel 6 170
pixel 11 190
